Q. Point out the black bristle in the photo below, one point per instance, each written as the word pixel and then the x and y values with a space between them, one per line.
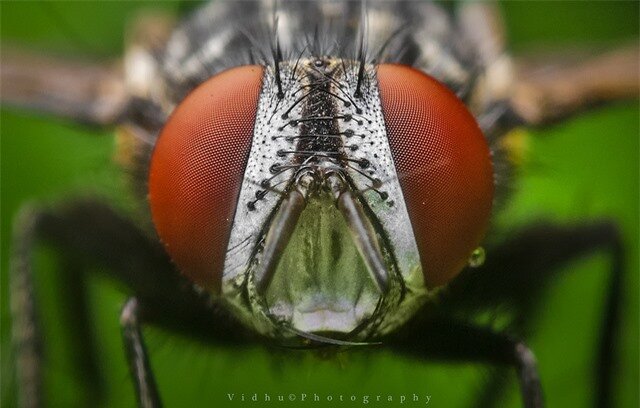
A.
pixel 361 56
pixel 295 66
pixel 316 48
pixel 358 92
pixel 379 56
pixel 277 58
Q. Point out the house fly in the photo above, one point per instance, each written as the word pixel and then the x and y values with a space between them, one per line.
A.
pixel 303 67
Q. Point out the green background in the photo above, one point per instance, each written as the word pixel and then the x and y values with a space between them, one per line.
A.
pixel 579 170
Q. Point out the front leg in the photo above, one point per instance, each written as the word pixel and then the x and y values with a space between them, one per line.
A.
pixel 517 271
pixel 87 234
pixel 451 340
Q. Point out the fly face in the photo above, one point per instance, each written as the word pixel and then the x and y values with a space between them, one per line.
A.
pixel 321 228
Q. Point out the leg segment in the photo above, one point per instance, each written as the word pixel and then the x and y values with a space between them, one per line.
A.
pixel 606 362
pixel 94 93
pixel 136 354
pixel 85 92
pixel 25 336
pixel 550 88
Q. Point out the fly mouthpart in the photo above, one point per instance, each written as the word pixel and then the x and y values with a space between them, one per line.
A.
pixel 324 340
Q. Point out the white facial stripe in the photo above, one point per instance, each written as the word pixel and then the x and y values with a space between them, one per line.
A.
pixel 370 135
pixel 270 131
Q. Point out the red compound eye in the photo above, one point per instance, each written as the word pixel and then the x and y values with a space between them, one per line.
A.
pixel 197 169
pixel 444 166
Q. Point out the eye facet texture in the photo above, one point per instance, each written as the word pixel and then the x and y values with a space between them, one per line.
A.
pixel 197 168
pixel 444 166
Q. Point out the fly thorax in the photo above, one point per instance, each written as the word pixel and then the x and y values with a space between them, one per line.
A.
pixel 321 243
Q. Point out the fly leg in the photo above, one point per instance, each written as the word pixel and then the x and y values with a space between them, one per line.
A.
pixel 98 93
pixel 87 92
pixel 136 353
pixel 87 234
pixel 25 336
pixel 76 231
pixel 544 89
pixel 447 339
pixel 553 87
pixel 517 270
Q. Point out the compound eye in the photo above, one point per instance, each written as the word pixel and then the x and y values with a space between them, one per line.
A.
pixel 197 169
pixel 444 167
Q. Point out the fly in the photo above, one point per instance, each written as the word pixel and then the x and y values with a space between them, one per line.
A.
pixel 312 186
